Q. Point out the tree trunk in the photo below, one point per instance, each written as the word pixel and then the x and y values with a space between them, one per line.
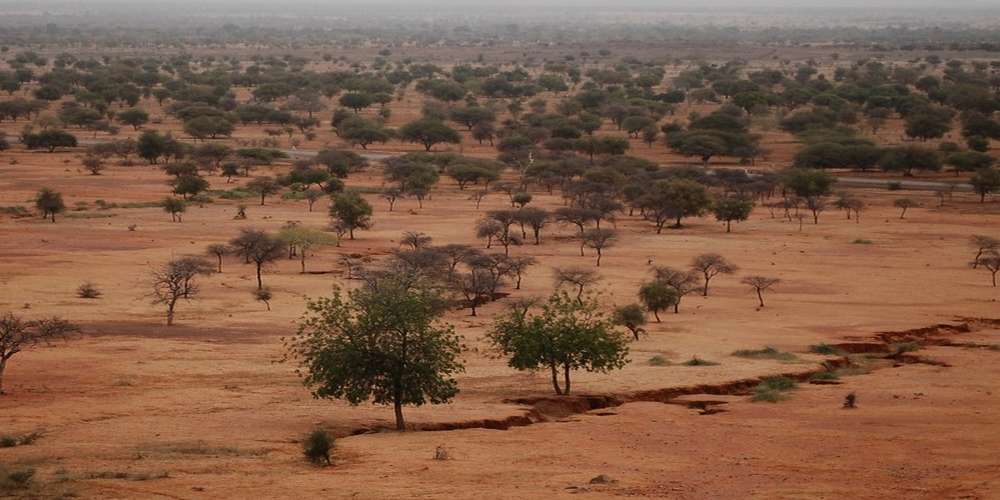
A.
pixel 302 260
pixel 260 283
pixel 220 263
pixel 760 297
pixel 566 379
pixel 398 408
pixel 555 380
pixel 729 226
pixel 705 294
pixel 598 257
pixel 656 314
pixel 3 365
pixel 170 312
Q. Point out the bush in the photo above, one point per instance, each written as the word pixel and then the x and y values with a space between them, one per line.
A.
pixel 16 479
pixel 861 241
pixel 88 291
pixel 828 375
pixel 658 361
pixel 894 186
pixel 825 349
pixel 696 361
pixel 770 389
pixel 317 446
pixel 765 353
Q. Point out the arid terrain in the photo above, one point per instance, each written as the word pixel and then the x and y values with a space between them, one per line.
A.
pixel 134 408
pixel 888 339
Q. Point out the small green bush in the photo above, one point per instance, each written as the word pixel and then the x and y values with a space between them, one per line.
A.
pixel 765 353
pixel 825 349
pixel 824 376
pixel 770 389
pixel 317 446
pixel 861 241
pixel 696 361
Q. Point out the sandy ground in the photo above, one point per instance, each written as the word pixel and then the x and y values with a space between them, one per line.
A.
pixel 134 409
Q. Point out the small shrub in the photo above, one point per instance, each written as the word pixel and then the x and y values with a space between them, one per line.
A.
pixel 770 389
pixel 861 241
pixel 88 291
pixel 317 446
pixel 440 453
pixel 894 186
pixel 778 383
pixel 8 441
pixel 903 347
pixel 658 361
pixel 696 361
pixel 824 376
pixel 20 478
pixel 826 349
pixel 765 353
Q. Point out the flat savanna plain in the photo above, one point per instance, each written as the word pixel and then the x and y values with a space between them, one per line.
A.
pixel 204 409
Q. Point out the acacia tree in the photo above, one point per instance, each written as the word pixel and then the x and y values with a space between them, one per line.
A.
pixel 760 284
pixel 579 217
pixel 682 282
pixel 429 132
pixel 599 239
pixel 303 239
pixel 990 262
pixel 984 245
pixel 263 187
pixel 175 281
pixel 535 218
pixel 657 296
pixel 568 334
pixel 904 204
pixel 631 316
pixel 711 265
pixel 17 334
pixel 351 211
pixel 49 203
pixel 576 277
pixel 175 207
pixel 380 343
pixel 219 251
pixel 731 209
pixel 259 248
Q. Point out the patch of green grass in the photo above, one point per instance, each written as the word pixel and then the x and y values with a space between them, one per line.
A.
pixel 824 376
pixel 696 361
pixel 903 347
pixel 826 349
pixel 771 389
pixel 765 353
pixel 658 361
pixel 861 241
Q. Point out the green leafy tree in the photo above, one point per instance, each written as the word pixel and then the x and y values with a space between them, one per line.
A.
pixel 379 343
pixel 565 335
pixel 732 208
pixel 351 211
pixel 674 199
pixel 985 181
pixel 429 132
pixel 658 296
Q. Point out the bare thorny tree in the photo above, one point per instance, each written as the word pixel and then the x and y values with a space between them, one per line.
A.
pixel 17 334
pixel 175 281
